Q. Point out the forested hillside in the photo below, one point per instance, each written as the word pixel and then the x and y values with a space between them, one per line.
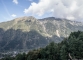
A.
pixel 69 48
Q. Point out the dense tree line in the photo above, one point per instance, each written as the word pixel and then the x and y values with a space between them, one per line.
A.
pixel 70 48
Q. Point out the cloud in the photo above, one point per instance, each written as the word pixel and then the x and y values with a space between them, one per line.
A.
pixel 15 1
pixel 70 9
pixel 13 15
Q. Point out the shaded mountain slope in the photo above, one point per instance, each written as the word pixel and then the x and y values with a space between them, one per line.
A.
pixel 30 33
pixel 11 40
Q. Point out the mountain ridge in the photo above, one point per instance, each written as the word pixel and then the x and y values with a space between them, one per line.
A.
pixel 28 30
pixel 41 25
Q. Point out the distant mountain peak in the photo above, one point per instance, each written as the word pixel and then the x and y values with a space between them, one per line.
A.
pixel 25 18
pixel 53 18
pixel 49 18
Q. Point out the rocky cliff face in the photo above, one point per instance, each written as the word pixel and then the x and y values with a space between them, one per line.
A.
pixel 30 33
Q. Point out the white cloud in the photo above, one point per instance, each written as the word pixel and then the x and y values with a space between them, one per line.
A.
pixel 15 1
pixel 70 9
pixel 13 15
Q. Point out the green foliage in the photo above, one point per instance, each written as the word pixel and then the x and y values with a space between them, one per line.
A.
pixel 21 57
pixel 72 45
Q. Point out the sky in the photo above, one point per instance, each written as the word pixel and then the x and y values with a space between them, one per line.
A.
pixel 69 9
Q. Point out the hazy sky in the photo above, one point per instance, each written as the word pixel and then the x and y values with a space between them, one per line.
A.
pixel 69 9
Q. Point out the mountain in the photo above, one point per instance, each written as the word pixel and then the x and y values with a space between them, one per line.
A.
pixel 70 48
pixel 26 33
